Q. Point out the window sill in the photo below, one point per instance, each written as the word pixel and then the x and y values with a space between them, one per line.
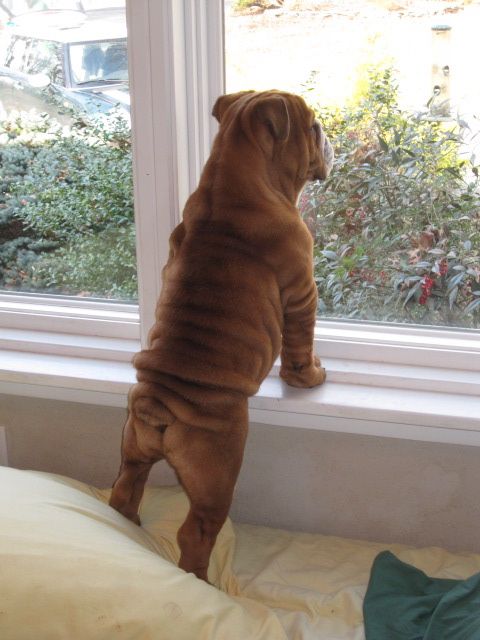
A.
pixel 359 397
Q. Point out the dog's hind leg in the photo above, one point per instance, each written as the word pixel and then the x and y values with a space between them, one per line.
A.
pixel 127 491
pixel 142 446
pixel 128 488
pixel 207 464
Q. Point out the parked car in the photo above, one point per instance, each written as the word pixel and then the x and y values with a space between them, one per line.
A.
pixel 59 62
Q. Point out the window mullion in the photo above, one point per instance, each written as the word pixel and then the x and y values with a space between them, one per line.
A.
pixel 176 71
pixel 154 144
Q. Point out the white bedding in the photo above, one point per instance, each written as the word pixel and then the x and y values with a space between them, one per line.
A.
pixel 72 568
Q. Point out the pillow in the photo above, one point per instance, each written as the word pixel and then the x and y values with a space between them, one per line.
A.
pixel 71 567
pixel 162 512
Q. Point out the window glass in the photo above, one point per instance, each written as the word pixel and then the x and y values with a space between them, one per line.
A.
pixel 66 199
pixel 45 57
pixel 99 62
pixel 397 224
pixel 16 54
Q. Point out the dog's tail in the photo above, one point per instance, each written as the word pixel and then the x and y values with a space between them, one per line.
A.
pixel 147 407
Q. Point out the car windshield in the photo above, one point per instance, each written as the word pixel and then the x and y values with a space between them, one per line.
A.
pixel 98 62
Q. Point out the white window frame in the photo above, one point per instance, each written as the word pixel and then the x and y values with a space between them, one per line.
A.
pixel 403 381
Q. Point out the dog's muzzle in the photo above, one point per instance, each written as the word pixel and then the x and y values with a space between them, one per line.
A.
pixel 328 155
pixel 323 170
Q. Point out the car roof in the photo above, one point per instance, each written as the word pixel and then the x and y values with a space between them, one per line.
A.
pixel 71 26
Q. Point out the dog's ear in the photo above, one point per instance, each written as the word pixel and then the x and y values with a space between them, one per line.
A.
pixel 267 122
pixel 224 102
pixel 272 112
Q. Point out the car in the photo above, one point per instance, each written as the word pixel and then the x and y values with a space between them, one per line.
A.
pixel 63 63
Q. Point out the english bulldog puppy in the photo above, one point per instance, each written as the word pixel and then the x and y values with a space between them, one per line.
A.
pixel 238 290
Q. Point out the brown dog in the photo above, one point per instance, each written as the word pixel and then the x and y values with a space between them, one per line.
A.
pixel 238 290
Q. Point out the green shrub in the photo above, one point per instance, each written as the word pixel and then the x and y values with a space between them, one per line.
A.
pixel 77 188
pixel 98 265
pixel 241 5
pixel 397 224
pixel 66 207
pixel 18 247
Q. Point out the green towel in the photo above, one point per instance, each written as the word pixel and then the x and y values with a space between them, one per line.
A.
pixel 403 603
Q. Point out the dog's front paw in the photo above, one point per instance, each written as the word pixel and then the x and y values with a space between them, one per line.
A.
pixel 297 375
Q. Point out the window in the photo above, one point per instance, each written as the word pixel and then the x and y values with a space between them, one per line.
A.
pixel 16 54
pixel 45 57
pixel 397 225
pixel 99 62
pixel 173 103
pixel 177 67
pixel 66 203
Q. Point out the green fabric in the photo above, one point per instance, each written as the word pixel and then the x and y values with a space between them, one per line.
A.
pixel 403 603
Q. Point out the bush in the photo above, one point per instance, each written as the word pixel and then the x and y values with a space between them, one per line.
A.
pixel 77 269
pixel 66 209
pixel 397 224
pixel 242 5
pixel 17 246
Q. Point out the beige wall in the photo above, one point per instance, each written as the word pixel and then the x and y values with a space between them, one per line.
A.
pixel 358 486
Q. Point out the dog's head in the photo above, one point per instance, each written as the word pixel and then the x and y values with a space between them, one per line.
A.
pixel 283 129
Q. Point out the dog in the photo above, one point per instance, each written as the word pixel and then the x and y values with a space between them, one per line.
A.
pixel 238 290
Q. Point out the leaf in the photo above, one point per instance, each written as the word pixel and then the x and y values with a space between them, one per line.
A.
pixel 452 297
pixel 330 255
pixel 474 304
pixel 408 152
pixel 453 171
pixel 411 293
pixel 454 281
pixel 383 143
pixel 345 250
pixel 322 307
pixel 467 245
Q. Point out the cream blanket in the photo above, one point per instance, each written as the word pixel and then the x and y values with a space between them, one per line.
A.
pixel 73 568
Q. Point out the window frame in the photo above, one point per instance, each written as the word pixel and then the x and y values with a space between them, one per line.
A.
pixel 176 61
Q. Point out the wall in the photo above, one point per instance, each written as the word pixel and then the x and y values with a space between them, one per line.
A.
pixel 356 486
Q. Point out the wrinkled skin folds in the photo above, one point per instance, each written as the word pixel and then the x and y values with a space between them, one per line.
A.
pixel 238 291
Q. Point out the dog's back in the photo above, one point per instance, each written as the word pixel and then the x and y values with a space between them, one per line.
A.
pixel 238 288
pixel 219 317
